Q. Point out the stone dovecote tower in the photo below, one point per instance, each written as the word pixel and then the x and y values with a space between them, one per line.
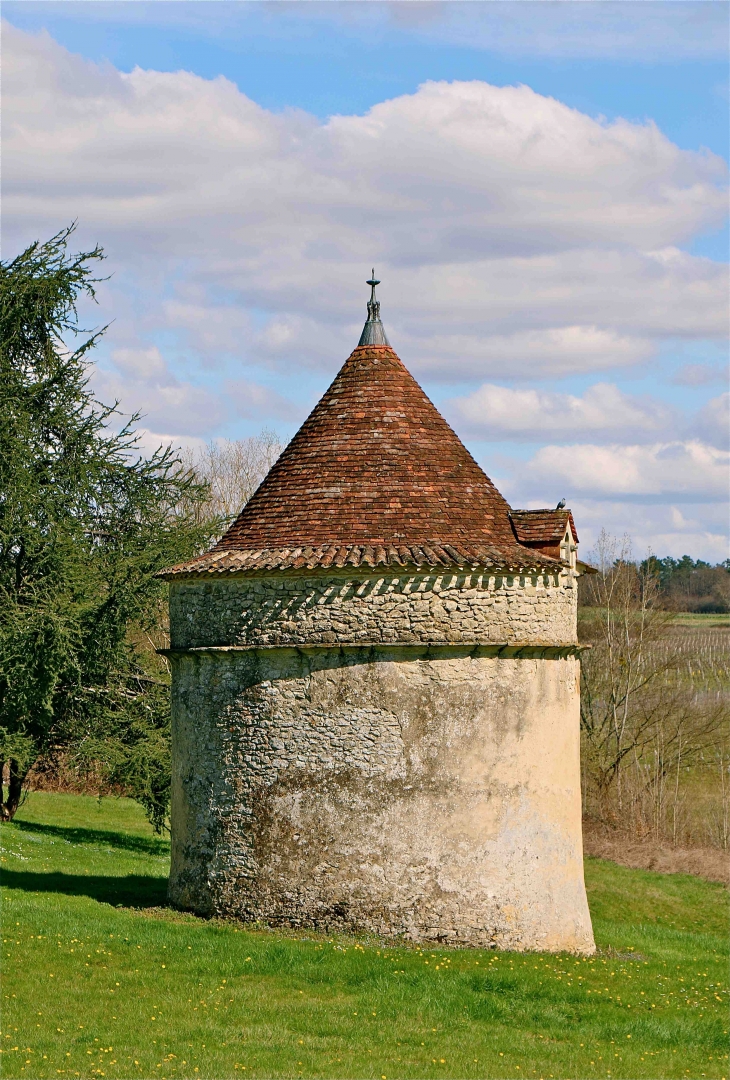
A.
pixel 375 689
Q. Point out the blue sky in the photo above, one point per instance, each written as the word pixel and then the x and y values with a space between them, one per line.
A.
pixel 552 256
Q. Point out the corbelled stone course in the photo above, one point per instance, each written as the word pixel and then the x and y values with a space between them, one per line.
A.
pixel 296 609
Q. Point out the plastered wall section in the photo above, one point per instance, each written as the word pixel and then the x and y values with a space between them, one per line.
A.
pixel 426 793
pixel 295 609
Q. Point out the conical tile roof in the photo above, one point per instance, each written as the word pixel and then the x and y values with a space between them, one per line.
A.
pixel 374 463
pixel 374 476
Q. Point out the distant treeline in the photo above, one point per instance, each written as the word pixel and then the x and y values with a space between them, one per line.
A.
pixel 684 584
pixel 691 585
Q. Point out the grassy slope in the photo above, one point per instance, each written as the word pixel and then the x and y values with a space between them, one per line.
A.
pixel 94 989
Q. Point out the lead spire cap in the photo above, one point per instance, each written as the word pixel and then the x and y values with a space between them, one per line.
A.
pixel 373 332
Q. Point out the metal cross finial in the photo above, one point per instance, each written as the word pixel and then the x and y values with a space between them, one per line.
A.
pixel 372 283
pixel 373 304
pixel 373 332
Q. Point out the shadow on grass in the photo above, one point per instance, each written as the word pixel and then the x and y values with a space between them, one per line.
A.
pixel 143 845
pixel 134 890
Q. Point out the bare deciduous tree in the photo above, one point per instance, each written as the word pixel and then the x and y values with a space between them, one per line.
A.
pixel 643 720
pixel 232 469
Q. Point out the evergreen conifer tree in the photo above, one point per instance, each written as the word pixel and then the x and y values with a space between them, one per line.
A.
pixel 86 521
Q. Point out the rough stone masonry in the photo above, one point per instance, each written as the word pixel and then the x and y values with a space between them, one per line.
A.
pixel 376 690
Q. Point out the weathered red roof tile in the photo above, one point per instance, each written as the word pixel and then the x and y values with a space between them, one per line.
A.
pixel 222 563
pixel 542 526
pixel 375 477
pixel 374 464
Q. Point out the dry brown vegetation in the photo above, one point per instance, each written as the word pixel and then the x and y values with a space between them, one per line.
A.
pixel 655 722
pixel 603 842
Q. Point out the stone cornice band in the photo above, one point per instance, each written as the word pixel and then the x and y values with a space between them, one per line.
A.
pixel 505 650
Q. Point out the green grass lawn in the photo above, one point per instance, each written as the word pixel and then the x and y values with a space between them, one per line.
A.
pixel 101 980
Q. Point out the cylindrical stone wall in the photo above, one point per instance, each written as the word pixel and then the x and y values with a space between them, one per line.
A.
pixel 368 606
pixel 429 791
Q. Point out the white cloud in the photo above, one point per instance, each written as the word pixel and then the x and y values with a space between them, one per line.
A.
pixel 696 529
pixel 251 400
pixel 669 470
pixel 564 349
pixel 141 380
pixel 150 441
pixel 699 375
pixel 713 421
pixel 517 238
pixel 501 220
pixel 603 412
pixel 141 364
pixel 213 330
pixel 524 304
pixel 553 352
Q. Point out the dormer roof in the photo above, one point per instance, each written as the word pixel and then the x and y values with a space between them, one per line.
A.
pixel 542 526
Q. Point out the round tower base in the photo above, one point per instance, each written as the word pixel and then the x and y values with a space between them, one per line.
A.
pixel 426 793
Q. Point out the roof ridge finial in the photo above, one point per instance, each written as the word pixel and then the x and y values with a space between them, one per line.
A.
pixel 373 332
pixel 372 282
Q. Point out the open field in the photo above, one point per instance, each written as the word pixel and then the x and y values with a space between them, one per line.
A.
pixel 700 620
pixel 102 980
pixel 670 798
pixel 700 643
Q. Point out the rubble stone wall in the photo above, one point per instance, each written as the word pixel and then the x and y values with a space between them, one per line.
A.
pixel 291 608
pixel 431 793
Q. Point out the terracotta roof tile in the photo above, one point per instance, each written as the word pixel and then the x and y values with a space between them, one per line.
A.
pixel 374 477
pixel 542 526
pixel 374 463
pixel 221 563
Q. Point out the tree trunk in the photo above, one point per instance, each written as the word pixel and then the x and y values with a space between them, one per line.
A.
pixel 16 779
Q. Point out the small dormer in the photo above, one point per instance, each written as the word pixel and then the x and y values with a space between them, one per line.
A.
pixel 551 532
